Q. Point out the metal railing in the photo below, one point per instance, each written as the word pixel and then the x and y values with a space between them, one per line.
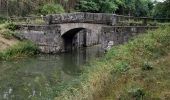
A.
pixel 98 18
pixel 28 20
pixel 141 20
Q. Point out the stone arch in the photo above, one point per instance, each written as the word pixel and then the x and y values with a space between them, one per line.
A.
pixel 74 35
pixel 90 33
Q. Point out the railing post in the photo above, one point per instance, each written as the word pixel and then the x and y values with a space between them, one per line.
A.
pixel 114 20
pixel 144 20
pixel 50 19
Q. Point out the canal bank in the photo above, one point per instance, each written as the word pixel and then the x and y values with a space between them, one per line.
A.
pixel 138 55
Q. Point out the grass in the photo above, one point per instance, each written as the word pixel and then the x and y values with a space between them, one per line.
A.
pixel 21 49
pixel 7 30
pixel 154 84
pixel 123 71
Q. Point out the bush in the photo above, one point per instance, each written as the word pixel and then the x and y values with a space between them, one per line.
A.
pixel 51 8
pixel 11 26
pixel 7 30
pixel 2 20
pixel 147 66
pixel 25 48
pixel 7 34
pixel 121 66
pixel 136 93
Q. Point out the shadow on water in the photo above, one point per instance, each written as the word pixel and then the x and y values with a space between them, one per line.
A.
pixel 34 78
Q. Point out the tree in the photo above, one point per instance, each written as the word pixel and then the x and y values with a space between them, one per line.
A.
pixel 51 9
pixel 161 10
pixel 87 6
pixel 104 6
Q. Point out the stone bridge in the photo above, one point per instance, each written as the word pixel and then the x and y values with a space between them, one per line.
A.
pixel 64 32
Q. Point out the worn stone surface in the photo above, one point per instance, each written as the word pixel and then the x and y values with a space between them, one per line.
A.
pixel 50 38
pixel 120 34
pixel 47 37
pixel 93 31
pixel 67 31
pixel 81 17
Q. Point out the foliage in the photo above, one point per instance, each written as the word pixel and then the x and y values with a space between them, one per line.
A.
pixel 52 9
pixel 7 34
pixel 105 6
pixel 161 10
pixel 136 93
pixel 11 26
pixel 121 66
pixel 143 8
pixel 25 7
pixel 7 30
pixel 147 66
pixel 88 6
pixel 125 7
pixel 2 20
pixel 25 48
pixel 133 7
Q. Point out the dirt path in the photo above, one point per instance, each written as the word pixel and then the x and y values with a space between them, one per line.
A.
pixel 6 43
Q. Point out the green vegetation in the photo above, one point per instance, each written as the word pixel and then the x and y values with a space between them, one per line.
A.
pixel 2 20
pixel 7 30
pixel 21 49
pixel 52 9
pixel 132 7
pixel 138 8
pixel 30 7
pixel 14 50
pixel 136 70
pixel 126 72
pixel 161 9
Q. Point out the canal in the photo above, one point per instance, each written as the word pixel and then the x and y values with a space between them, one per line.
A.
pixel 36 78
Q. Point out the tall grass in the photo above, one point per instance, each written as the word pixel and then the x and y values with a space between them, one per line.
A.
pixel 7 30
pixel 101 74
pixel 21 49
pixel 2 19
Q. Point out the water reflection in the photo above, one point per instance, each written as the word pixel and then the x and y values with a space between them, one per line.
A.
pixel 35 78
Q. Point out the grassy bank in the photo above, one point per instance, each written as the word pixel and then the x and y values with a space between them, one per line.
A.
pixel 100 78
pixel 10 47
pixel 21 49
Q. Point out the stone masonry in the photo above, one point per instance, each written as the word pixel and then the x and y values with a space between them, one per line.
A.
pixel 67 31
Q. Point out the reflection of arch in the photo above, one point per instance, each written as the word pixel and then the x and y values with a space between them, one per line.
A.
pixel 69 36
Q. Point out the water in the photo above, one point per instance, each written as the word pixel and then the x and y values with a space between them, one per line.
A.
pixel 35 78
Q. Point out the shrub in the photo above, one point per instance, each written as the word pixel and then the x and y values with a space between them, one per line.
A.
pixel 7 33
pixel 11 26
pixel 25 48
pixel 147 66
pixel 122 66
pixel 136 93
pixel 2 20
pixel 51 8
pixel 7 30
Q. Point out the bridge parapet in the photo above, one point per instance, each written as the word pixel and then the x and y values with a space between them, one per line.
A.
pixel 95 18
pixel 91 18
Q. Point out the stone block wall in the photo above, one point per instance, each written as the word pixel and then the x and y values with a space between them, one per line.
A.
pixel 120 34
pixel 80 17
pixel 47 37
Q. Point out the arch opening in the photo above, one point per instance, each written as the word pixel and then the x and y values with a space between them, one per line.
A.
pixel 74 38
